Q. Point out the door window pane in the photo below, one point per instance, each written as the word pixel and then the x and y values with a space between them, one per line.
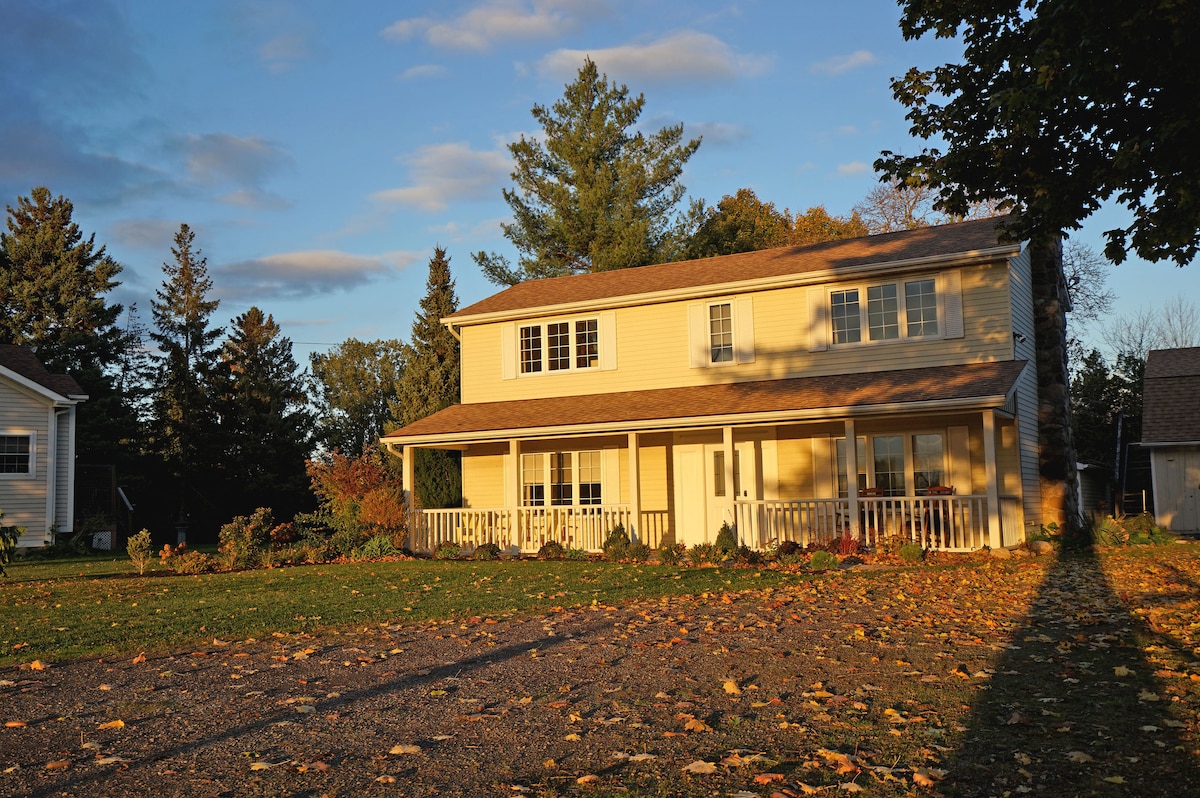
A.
pixel 589 478
pixel 928 461
pixel 533 476
pixel 560 478
pixel 889 464
pixel 860 456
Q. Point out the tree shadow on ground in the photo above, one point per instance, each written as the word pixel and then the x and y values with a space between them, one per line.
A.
pixel 1081 702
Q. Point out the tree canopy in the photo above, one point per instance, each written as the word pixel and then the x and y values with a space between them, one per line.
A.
pixel 592 194
pixel 354 385
pixel 1057 107
pixel 741 222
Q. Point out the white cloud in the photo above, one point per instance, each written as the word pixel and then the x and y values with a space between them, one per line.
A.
pixel 218 157
pixel 684 56
pixel 145 234
pixel 853 168
pixel 290 275
pixel 443 173
pixel 844 63
pixel 284 52
pixel 424 71
pixel 256 198
pixel 496 21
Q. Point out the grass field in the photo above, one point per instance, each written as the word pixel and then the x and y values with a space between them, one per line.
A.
pixel 55 610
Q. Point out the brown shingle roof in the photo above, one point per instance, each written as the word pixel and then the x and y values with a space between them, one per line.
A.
pixel 23 361
pixel 1171 396
pixel 658 408
pixel 927 242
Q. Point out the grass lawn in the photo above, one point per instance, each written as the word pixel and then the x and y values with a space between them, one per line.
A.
pixel 56 610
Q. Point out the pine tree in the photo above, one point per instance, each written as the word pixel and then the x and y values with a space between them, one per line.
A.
pixel 593 196
pixel 185 420
pixel 265 420
pixel 431 382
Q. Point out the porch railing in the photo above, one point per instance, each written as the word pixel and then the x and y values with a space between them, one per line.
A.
pixel 946 523
pixel 526 528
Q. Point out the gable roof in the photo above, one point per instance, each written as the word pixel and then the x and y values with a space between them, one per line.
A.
pixel 22 361
pixel 1171 396
pixel 766 401
pixel 923 244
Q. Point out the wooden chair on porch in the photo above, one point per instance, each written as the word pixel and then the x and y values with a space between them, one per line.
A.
pixel 937 515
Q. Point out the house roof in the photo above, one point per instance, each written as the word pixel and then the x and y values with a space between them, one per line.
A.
pixel 1171 396
pixel 888 248
pixel 765 401
pixel 22 361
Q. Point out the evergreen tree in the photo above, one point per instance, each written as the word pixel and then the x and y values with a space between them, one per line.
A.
pixel 53 283
pixel 431 383
pixel 739 223
pixel 265 420
pixel 354 385
pixel 185 426
pixel 591 196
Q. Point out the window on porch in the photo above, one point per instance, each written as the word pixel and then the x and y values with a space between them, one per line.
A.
pixel 568 478
pixel 889 463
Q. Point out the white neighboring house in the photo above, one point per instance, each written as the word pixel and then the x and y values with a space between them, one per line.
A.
pixel 37 446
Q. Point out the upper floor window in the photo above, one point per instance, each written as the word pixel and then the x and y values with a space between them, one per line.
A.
pixel 16 454
pixel 721 333
pixel 929 307
pixel 560 346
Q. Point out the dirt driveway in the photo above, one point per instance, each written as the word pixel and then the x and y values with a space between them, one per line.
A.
pixel 1076 676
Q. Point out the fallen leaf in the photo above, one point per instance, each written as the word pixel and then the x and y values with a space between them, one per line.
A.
pixel 59 764
pixel 38 665
pixel 112 724
pixel 140 658
pixel 768 778
pixel 1079 757
pixel 263 764
pixel 1146 695
pixel 110 760
pixel 1121 670
pixel 14 724
pixel 385 779
pixel 700 767
pixel 732 688
pixel 850 787
pixel 405 749
pixel 642 758
pixel 590 778
pixel 697 725
pixel 572 737
pixel 1115 780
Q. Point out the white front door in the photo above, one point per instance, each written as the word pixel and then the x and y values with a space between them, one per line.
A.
pixel 702 495
pixel 691 515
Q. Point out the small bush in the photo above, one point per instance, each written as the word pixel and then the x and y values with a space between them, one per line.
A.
pixel 912 552
pixel 671 553
pixel 701 553
pixel 576 554
pixel 140 550
pixel 486 551
pixel 845 546
pixel 183 560
pixel 1124 530
pixel 823 561
pixel 749 556
pixel 376 548
pixel 787 548
pixel 447 551
pixel 616 545
pixel 638 552
pixel 727 540
pixel 794 558
pixel 551 551
pixel 243 539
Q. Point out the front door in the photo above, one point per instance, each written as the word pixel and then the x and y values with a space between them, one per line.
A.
pixel 702 495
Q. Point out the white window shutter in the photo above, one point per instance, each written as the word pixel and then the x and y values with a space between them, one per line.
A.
pixel 608 341
pixel 698 343
pixel 952 302
pixel 818 326
pixel 508 351
pixel 743 334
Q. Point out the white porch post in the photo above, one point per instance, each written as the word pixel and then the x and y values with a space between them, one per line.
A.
pixel 852 478
pixel 512 490
pixel 993 488
pixel 635 487
pixel 410 479
pixel 730 495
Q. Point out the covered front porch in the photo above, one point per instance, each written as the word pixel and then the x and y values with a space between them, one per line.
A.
pixel 940 464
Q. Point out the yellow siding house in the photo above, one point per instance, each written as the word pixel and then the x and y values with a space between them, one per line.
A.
pixel 675 398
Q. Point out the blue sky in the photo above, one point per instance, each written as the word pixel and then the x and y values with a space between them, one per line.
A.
pixel 320 151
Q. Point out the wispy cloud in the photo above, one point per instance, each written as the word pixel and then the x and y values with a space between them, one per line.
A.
pixel 853 168
pixel 304 273
pixel 496 21
pixel 718 133
pixel 253 197
pixel 145 234
pixel 844 63
pixel 422 71
pixel 284 52
pixel 443 173
pixel 687 56
pixel 217 157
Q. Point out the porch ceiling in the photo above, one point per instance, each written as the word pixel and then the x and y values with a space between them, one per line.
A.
pixel 976 385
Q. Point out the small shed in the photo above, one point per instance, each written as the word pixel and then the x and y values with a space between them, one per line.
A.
pixel 1171 431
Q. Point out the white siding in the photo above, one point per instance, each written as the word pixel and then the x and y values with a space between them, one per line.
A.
pixel 23 500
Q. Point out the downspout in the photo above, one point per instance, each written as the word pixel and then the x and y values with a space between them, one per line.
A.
pixel 52 470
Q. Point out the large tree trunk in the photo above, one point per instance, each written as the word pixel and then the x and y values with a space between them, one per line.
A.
pixel 1056 449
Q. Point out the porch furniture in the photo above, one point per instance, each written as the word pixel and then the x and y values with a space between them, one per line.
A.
pixel 937 514
pixel 868 516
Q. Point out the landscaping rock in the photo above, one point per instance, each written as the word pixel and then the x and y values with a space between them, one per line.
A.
pixel 1001 554
pixel 1040 547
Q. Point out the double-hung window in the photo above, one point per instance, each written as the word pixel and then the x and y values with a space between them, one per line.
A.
pixel 721 333
pixel 568 345
pixel 16 454
pixel 898 310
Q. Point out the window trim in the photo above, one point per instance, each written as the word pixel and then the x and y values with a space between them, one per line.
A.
pixel 547 463
pixel 595 342
pixel 700 337
pixel 947 287
pixel 31 435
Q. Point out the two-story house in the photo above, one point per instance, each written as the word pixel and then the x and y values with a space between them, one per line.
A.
pixel 872 387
